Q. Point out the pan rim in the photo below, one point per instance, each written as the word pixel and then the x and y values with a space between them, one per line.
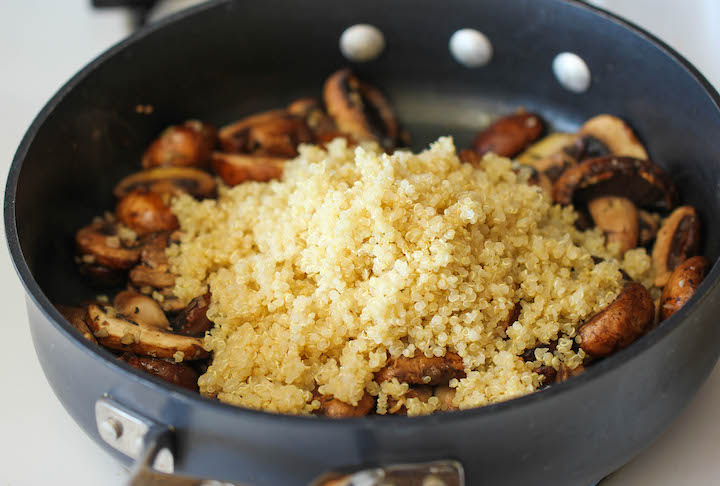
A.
pixel 41 301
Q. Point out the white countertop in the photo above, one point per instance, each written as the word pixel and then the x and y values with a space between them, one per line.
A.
pixel 42 44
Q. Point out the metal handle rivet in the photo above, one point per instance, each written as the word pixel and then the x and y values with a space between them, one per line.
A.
pixel 572 72
pixel 111 429
pixel 471 48
pixel 362 43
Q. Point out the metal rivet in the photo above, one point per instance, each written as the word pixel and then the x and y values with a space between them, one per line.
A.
pixel 164 461
pixel 471 48
pixel 571 72
pixel 433 481
pixel 111 429
pixel 362 43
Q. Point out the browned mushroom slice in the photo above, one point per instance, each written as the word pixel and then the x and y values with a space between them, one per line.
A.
pixel 550 155
pixel 154 268
pixel 617 217
pixel 193 320
pixel 620 324
pixel 469 156
pixel 334 408
pixel 509 135
pixel 648 225
pixel 186 145
pixel 141 309
pixel 195 182
pixel 548 375
pixel 511 317
pixel 235 169
pixel 275 133
pixel 614 134
pixel 100 242
pixel 420 392
pixel 646 184
pixel 422 370
pixel 681 285
pixel 360 109
pixel 446 396
pixel 117 333
pixel 76 317
pixel 176 373
pixel 677 240
pixel 102 276
pixel 146 212
pixel 310 110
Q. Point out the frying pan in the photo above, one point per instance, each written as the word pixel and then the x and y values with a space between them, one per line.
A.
pixel 221 61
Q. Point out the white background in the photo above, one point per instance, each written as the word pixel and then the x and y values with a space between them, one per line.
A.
pixel 42 43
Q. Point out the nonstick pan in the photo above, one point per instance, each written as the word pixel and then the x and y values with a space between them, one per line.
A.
pixel 226 59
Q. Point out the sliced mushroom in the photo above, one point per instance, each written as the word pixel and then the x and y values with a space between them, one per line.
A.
pixel 274 133
pixel 176 373
pixel 186 145
pixel 677 240
pixel 641 181
pixel 121 334
pixel 76 317
pixel 548 374
pixel 550 155
pixel 195 182
pixel 618 218
pixel 101 243
pixel 360 109
pixel 469 156
pixel 681 285
pixel 648 224
pixel 446 395
pixel 419 392
pixel 509 135
pixel 334 408
pixel 511 317
pixel 311 110
pixel 141 309
pixel 620 324
pixel 235 169
pixel 422 370
pixel 154 268
pixel 193 320
pixel 146 212
pixel 614 134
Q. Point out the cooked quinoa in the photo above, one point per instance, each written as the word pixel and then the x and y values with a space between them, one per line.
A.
pixel 356 256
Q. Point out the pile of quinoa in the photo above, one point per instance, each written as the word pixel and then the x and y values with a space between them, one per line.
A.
pixel 356 256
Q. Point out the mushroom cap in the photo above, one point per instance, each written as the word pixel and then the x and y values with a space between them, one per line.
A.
pixel 677 240
pixel 681 285
pixel 549 155
pixel 509 135
pixel 235 169
pixel 193 320
pixel 186 145
pixel 193 181
pixel 360 110
pixel 332 407
pixel 146 212
pixel 76 317
pixel 615 134
pixel 121 334
pixel 275 133
pixel 641 181
pixel 618 325
pixel 413 370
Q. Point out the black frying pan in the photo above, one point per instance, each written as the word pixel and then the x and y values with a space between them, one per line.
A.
pixel 222 61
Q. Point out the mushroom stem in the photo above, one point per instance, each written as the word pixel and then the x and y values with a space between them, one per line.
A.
pixel 617 217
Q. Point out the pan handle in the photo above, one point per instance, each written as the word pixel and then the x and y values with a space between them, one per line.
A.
pixel 152 445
